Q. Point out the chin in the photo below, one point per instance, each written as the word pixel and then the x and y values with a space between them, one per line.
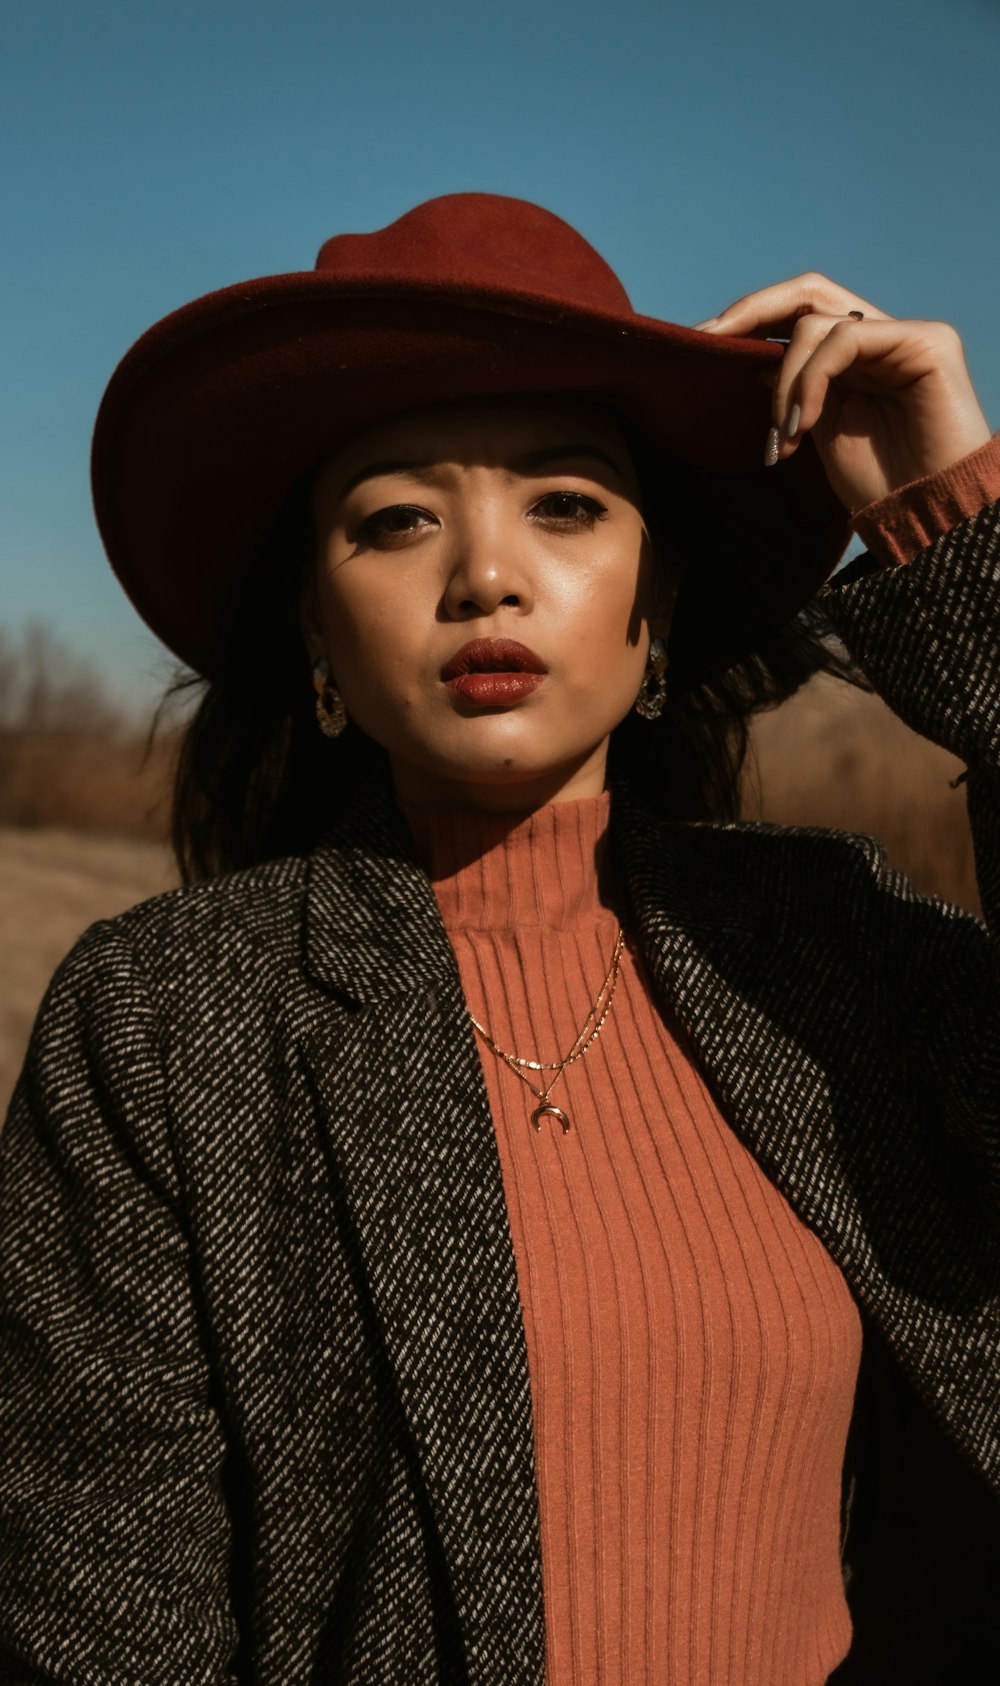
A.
pixel 506 763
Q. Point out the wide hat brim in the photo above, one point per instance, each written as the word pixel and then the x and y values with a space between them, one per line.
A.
pixel 218 410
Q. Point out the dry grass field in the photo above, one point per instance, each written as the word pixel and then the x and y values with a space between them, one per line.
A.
pixel 829 757
pixel 53 884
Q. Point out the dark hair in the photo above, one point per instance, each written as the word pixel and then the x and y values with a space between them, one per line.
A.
pixel 256 779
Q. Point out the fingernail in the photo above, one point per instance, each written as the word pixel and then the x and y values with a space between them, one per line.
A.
pixel 709 323
pixel 771 448
pixel 792 424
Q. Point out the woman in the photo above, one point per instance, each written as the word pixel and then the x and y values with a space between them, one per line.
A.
pixel 516 1179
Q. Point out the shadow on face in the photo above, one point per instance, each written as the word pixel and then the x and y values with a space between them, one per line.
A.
pixel 510 525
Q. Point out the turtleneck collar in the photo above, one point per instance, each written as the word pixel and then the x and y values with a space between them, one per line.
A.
pixel 546 869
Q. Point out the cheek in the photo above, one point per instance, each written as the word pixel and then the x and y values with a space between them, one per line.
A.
pixel 608 607
pixel 369 627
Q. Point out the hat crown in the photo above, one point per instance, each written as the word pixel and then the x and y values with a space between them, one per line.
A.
pixel 485 242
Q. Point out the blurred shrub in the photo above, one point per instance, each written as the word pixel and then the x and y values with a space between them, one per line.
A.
pixel 70 755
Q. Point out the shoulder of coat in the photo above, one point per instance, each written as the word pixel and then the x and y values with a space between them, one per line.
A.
pixel 807 877
pixel 254 907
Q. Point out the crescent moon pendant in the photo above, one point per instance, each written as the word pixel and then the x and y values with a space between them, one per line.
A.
pixel 547 1110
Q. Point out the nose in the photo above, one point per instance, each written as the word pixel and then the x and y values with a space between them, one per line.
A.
pixel 485 573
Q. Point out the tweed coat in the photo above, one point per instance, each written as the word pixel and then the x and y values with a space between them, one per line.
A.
pixel 267 1413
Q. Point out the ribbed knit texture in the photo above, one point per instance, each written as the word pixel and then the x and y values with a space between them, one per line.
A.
pixel 692 1347
pixel 895 528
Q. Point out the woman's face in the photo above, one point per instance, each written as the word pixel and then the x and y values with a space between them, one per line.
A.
pixel 485 593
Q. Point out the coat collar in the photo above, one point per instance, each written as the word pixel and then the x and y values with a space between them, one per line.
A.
pixel 372 927
pixel 373 932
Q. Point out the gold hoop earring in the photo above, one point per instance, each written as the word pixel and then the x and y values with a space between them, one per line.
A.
pixel 653 690
pixel 330 710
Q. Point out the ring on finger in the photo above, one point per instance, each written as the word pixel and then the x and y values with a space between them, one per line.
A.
pixel 858 315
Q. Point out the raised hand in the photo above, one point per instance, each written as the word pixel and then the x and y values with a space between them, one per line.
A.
pixel 886 401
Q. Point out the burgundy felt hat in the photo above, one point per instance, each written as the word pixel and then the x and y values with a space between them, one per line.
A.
pixel 213 415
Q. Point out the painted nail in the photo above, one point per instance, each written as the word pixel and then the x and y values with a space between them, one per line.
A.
pixel 709 322
pixel 771 448
pixel 792 424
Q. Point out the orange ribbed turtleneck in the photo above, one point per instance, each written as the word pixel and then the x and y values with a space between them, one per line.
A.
pixel 693 1349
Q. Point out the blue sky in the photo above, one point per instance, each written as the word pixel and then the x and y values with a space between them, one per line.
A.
pixel 158 150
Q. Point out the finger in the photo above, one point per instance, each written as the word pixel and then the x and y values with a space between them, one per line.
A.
pixel 885 355
pixel 808 335
pixel 775 310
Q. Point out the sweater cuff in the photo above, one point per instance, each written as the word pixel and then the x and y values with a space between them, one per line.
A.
pixel 895 528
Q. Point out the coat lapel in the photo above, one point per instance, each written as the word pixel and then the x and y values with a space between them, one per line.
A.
pixel 721 960
pixel 745 961
pixel 775 950
pixel 405 1111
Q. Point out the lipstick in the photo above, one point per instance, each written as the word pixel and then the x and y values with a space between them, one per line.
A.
pixel 494 689
pixel 493 672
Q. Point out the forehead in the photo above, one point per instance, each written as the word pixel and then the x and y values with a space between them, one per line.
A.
pixel 486 431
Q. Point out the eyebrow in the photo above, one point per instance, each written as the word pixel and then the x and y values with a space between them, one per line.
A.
pixel 528 462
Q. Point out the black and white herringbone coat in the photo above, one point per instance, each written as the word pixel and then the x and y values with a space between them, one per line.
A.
pixel 264 1374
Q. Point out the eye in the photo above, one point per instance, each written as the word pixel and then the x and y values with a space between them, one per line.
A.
pixel 569 510
pixel 392 525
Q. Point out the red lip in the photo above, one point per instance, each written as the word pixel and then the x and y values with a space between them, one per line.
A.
pixel 492 655
pixel 494 690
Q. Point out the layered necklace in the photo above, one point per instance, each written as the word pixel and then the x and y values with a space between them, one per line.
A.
pixel 586 1037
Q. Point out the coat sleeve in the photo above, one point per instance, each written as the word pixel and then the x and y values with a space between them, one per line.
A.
pixel 114 1536
pixel 927 634
pixel 924 1546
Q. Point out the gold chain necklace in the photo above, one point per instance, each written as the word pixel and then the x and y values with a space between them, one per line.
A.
pixel 583 1040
